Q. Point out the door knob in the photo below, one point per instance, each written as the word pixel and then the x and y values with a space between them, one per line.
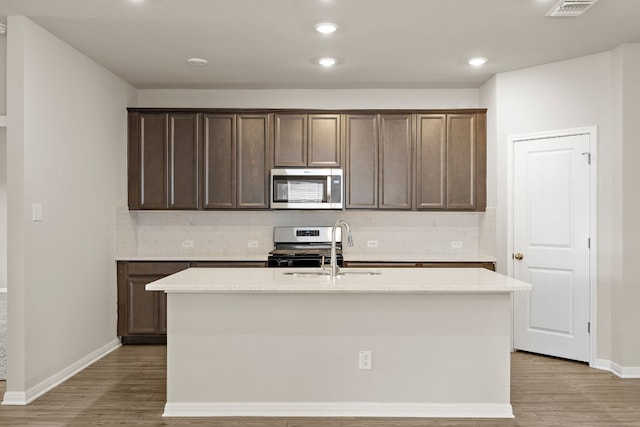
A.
pixel 518 256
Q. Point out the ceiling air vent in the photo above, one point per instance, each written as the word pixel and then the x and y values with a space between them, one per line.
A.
pixel 568 8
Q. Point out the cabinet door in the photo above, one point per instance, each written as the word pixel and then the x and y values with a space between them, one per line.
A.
pixel 324 140
pixel 184 148
pixel 229 264
pixel 290 145
pixel 219 161
pixel 431 167
pixel 380 264
pixel 143 316
pixel 459 264
pixel 361 139
pixel 253 161
pixel 396 151
pixel 461 161
pixel 148 159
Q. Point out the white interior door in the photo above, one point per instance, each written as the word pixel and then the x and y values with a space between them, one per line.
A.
pixel 551 245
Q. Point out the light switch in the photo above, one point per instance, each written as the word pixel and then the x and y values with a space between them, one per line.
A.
pixel 37 214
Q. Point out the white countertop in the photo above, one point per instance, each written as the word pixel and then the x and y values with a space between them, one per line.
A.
pixel 390 280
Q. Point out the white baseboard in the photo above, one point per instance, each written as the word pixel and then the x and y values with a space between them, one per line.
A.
pixel 337 409
pixel 14 398
pixel 615 368
pixel 24 398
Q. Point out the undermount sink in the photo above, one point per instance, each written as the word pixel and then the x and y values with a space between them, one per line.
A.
pixel 360 271
pixel 307 273
pixel 324 272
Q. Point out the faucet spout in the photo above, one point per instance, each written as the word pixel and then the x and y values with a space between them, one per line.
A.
pixel 334 261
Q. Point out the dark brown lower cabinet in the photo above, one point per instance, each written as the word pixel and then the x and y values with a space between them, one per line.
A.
pixel 380 264
pixel 229 264
pixel 142 315
pixel 488 265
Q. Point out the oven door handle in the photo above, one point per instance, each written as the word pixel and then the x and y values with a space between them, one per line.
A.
pixel 329 188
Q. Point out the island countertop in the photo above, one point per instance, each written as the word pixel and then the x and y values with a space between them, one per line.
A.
pixel 354 280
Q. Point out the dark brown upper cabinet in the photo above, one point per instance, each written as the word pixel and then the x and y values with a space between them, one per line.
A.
pixel 236 161
pixel 451 161
pixel 253 165
pixel 379 153
pixel 219 161
pixel 163 160
pixel 431 161
pixel 307 140
pixel 392 159
pixel 396 159
pixel 361 161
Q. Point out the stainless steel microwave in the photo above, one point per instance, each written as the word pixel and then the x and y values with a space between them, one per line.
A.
pixel 307 189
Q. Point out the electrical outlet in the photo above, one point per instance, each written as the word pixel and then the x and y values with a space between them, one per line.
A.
pixel 456 244
pixel 372 243
pixel 364 359
pixel 36 212
pixel 252 244
pixel 187 243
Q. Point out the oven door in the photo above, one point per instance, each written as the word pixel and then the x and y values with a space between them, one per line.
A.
pixel 300 261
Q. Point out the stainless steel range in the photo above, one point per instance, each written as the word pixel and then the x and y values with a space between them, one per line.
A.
pixel 304 247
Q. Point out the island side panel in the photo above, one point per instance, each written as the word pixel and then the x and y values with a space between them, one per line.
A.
pixel 445 348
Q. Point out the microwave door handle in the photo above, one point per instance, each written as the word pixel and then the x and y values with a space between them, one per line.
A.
pixel 329 188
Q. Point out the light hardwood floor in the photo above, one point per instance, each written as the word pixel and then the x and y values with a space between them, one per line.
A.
pixel 128 388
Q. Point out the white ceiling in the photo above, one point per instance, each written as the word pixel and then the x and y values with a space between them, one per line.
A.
pixel 273 44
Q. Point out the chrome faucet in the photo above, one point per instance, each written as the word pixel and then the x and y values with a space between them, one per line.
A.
pixel 334 261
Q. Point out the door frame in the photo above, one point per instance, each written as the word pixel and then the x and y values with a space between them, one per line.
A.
pixel 592 132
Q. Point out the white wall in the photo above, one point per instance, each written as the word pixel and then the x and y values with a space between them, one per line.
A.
pixel 488 99
pixel 3 164
pixel 626 294
pixel 67 150
pixel 3 75
pixel 568 94
pixel 3 208
pixel 320 99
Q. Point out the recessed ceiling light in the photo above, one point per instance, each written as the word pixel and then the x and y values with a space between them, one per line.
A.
pixel 326 27
pixel 327 62
pixel 476 62
pixel 136 1
pixel 197 62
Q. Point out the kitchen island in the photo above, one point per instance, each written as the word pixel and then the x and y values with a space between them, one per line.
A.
pixel 282 342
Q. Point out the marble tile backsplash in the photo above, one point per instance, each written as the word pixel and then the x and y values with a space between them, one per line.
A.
pixel 165 234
